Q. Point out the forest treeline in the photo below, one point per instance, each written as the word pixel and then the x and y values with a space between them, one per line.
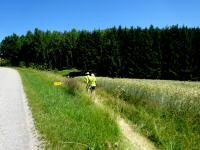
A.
pixel 167 53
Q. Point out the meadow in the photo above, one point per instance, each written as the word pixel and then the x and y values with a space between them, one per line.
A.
pixel 167 112
pixel 65 116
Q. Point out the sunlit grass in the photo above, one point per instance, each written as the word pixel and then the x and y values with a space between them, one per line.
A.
pixel 167 112
pixel 65 116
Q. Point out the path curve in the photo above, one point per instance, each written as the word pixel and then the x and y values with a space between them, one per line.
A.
pixel 137 141
pixel 17 130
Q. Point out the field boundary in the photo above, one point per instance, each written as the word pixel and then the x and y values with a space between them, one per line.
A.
pixel 137 141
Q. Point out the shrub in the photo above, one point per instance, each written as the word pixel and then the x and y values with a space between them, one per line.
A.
pixel 22 64
pixel 39 66
pixel 4 62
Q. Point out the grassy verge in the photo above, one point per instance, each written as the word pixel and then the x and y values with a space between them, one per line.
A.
pixel 65 116
pixel 167 112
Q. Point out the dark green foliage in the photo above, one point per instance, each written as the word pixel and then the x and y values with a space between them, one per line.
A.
pixel 168 53
pixel 4 62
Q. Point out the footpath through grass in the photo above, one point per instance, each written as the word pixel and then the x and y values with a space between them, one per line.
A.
pixel 167 112
pixel 65 117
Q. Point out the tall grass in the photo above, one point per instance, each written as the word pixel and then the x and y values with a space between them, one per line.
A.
pixel 167 112
pixel 65 116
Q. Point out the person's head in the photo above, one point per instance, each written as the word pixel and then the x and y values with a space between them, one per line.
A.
pixel 92 75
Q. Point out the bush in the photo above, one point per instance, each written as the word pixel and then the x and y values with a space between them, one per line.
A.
pixel 22 64
pixel 39 66
pixel 4 62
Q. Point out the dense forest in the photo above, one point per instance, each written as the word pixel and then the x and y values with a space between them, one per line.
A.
pixel 167 53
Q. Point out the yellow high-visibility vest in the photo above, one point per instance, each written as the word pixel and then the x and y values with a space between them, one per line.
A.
pixel 86 79
pixel 92 80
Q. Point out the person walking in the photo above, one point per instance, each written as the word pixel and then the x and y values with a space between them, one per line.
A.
pixel 86 80
pixel 92 83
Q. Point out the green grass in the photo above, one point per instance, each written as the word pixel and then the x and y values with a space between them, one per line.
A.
pixel 65 116
pixel 167 112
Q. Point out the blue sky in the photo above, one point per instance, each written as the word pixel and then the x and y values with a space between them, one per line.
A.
pixel 19 16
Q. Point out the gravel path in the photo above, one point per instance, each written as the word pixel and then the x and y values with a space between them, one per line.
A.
pixel 16 124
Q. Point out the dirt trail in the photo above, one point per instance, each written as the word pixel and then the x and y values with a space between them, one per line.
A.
pixel 139 141
pixel 17 130
pixel 136 140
